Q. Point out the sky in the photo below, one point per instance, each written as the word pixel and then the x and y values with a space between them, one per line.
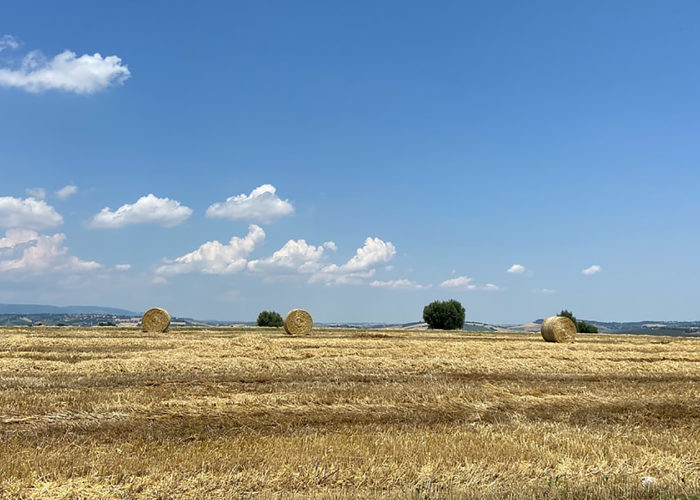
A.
pixel 356 159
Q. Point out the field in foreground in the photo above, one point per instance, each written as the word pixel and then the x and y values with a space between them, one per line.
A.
pixel 227 413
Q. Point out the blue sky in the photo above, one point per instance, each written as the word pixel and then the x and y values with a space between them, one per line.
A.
pixel 420 151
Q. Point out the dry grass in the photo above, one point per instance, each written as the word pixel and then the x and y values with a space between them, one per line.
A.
pixel 107 413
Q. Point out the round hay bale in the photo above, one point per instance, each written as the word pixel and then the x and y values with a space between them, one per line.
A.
pixel 558 329
pixel 298 322
pixel 155 320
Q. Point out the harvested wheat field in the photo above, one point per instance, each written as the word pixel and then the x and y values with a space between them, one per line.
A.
pixel 222 413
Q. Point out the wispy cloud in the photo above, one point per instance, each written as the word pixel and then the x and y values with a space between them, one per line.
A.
pixel 467 283
pixel 594 269
pixel 67 191
pixel 38 193
pixel 543 290
pixel 66 71
pixel 399 284
pixel 8 42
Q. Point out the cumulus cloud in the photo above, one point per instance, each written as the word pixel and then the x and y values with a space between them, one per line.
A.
pixel 375 251
pixel 594 269
pixel 400 284
pixel 27 213
pixel 67 191
pixel 26 251
pixel 296 256
pixel 261 205
pixel 122 267
pixel 214 257
pixel 516 269
pixel 490 287
pixel 148 209
pixel 66 71
pixel 362 265
pixel 38 193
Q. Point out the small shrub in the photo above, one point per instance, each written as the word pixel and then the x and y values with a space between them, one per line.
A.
pixel 270 318
pixel 447 315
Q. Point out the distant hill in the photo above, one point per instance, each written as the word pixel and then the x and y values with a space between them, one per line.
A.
pixel 43 309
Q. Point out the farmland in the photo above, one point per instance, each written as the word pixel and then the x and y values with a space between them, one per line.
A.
pixel 216 413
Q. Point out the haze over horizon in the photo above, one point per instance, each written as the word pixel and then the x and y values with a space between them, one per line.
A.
pixel 357 160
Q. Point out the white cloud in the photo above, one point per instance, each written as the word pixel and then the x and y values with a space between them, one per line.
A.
pixel 8 42
pixel 26 251
pixel 15 237
pixel 83 75
pixel 516 269
pixel 362 265
pixel 543 290
pixel 595 269
pixel 38 193
pixel 122 267
pixel 67 191
pixel 300 258
pixel 459 282
pixel 400 284
pixel 147 210
pixel 295 256
pixel 466 283
pixel 261 205
pixel 27 213
pixel 214 257
pixel 375 251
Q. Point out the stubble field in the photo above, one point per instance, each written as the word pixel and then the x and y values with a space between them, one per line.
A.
pixel 225 413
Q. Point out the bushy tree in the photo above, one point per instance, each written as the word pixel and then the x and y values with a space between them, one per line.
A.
pixel 581 326
pixel 568 314
pixel 444 315
pixel 270 318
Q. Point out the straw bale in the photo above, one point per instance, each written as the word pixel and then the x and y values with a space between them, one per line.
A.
pixel 558 329
pixel 298 322
pixel 156 320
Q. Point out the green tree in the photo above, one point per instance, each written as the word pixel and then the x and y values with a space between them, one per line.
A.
pixel 568 314
pixel 444 315
pixel 270 318
pixel 581 326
